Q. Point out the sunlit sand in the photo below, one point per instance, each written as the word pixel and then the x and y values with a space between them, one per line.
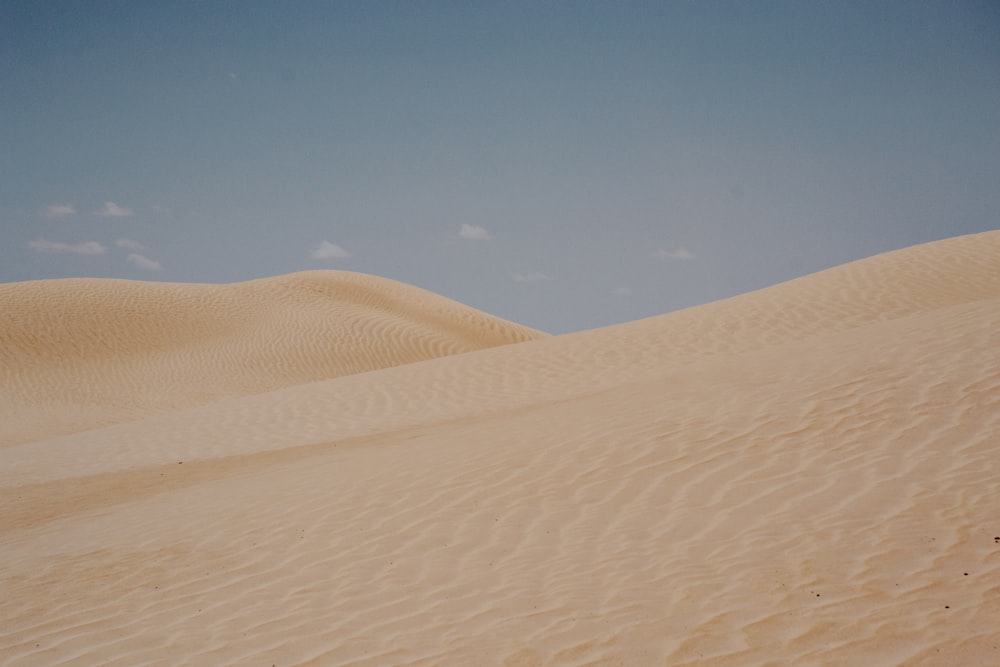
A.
pixel 326 468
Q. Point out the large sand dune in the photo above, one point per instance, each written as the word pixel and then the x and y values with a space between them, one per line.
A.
pixel 808 474
pixel 81 353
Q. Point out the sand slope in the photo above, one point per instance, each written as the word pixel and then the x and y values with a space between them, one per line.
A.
pixel 81 353
pixel 808 474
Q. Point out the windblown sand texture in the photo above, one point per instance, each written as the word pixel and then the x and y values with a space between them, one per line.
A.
pixel 82 353
pixel 332 469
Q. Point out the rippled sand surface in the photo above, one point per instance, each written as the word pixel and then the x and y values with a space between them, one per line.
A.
pixel 334 469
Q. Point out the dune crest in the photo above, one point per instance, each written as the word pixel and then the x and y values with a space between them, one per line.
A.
pixel 806 474
pixel 80 353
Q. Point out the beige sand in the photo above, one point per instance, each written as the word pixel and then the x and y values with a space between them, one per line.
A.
pixel 78 353
pixel 808 474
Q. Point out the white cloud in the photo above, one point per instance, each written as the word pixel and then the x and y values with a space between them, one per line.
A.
pixel 622 291
pixel 327 250
pixel 677 254
pixel 473 233
pixel 57 211
pixel 529 277
pixel 143 262
pixel 113 210
pixel 129 244
pixel 56 247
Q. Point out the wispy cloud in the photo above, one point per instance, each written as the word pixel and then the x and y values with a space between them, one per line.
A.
pixel 57 211
pixel 113 210
pixel 680 254
pixel 129 244
pixel 533 277
pixel 327 250
pixel 59 248
pixel 473 233
pixel 622 291
pixel 143 262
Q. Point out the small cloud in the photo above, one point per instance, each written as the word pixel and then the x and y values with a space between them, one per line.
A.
pixel 473 233
pixel 129 244
pixel 327 250
pixel 529 277
pixel 113 210
pixel 143 262
pixel 58 248
pixel 678 254
pixel 623 291
pixel 57 211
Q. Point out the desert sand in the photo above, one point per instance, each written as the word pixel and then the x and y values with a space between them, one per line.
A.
pixel 326 468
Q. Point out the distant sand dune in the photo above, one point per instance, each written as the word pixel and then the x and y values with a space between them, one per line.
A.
pixel 807 474
pixel 81 353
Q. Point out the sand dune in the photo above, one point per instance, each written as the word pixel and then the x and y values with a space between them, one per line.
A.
pixel 82 353
pixel 808 474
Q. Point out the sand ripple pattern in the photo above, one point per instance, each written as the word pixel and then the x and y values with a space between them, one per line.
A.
pixel 83 353
pixel 818 488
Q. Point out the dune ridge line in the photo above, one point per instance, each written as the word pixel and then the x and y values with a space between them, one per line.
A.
pixel 805 474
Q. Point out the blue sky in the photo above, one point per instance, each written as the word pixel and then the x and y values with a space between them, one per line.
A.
pixel 563 164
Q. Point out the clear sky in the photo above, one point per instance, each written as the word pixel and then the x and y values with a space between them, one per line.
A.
pixel 563 164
